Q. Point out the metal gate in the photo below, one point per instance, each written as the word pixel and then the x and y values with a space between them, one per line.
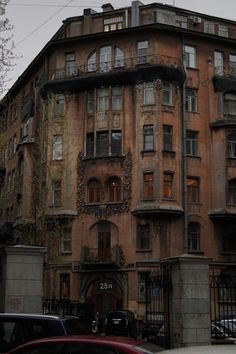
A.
pixel 223 301
pixel 157 320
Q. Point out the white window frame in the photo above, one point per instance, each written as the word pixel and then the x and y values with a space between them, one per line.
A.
pixel 190 58
pixel 148 93
pixel 191 100
pixel 219 62
pixel 57 144
pixel 167 93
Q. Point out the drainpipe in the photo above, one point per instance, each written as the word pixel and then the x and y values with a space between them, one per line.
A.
pixel 184 159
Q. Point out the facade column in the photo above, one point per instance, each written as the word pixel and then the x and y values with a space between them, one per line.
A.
pixel 21 278
pixel 190 322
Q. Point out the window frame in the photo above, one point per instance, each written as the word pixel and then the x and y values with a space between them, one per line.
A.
pixel 148 184
pixel 56 192
pixel 191 100
pixel 148 93
pixel 193 190
pixel 57 147
pixel 190 56
pixel 148 137
pixel 192 143
pixel 143 237
pixel 194 233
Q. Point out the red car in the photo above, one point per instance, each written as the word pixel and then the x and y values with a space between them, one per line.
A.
pixel 86 344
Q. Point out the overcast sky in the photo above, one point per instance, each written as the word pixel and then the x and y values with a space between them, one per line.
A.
pixel 36 21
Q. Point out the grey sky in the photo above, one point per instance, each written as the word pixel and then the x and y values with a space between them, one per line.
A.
pixel 36 21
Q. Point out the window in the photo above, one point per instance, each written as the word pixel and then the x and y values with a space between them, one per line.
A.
pixel 167 138
pixel 94 191
pixel 142 280
pixel 119 57
pixel 70 64
pixel 148 185
pixel 114 190
pixel 112 24
pixel 102 144
pixel 167 92
pixel 105 58
pixel 14 144
pixel 143 242
pixel 90 102
pixel 148 93
pixel 92 61
pixel 209 27
pixel 116 98
pixel 191 143
pixel 232 64
pixel 65 286
pixel 59 108
pixel 191 100
pixel 168 185
pixel 104 241
pixel 142 48
pixel 219 63
pixel 66 240
pixel 57 147
pixel 193 236
pixel 56 193
pixel 193 190
pixel 228 233
pixel 231 142
pixel 232 191
pixel 90 145
pixel 116 142
pixel 223 31
pixel 230 104
pixel 148 138
pixel 102 99
pixel 190 56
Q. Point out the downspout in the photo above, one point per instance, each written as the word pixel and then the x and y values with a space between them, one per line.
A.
pixel 184 159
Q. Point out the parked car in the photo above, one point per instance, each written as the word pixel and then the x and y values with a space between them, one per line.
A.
pixel 16 329
pixel 121 322
pixel 229 326
pixel 86 344
pixel 153 325
pixel 219 335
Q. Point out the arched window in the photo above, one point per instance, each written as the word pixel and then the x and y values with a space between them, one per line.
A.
pixel 114 190
pixel 92 61
pixel 105 58
pixel 232 191
pixel 94 191
pixel 231 143
pixel 193 236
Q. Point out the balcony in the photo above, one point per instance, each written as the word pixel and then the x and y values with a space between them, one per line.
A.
pixel 102 257
pixel 155 209
pixel 224 78
pixel 120 71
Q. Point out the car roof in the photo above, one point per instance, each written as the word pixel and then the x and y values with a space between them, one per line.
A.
pixel 36 315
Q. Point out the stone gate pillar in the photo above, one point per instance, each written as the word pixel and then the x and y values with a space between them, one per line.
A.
pixel 190 322
pixel 21 278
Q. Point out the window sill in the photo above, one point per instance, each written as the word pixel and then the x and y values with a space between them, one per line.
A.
pixel 144 250
pixel 168 153
pixel 148 152
pixel 194 156
pixel 195 252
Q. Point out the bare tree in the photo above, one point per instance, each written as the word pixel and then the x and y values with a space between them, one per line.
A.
pixel 6 46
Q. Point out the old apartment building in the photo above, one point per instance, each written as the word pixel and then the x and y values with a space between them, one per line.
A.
pixel 118 149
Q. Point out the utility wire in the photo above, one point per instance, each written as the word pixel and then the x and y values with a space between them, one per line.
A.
pixel 50 5
pixel 43 23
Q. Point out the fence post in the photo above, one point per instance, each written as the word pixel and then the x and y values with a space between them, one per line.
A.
pixel 189 301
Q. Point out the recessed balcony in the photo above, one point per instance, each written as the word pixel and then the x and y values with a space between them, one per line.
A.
pixel 102 257
pixel 224 78
pixel 123 71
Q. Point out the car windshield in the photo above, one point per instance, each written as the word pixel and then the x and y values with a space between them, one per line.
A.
pixel 148 348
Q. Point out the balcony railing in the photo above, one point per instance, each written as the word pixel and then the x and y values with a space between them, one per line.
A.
pixel 117 64
pixel 112 255
pixel 226 71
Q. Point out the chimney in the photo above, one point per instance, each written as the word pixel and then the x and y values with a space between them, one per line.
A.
pixel 107 7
